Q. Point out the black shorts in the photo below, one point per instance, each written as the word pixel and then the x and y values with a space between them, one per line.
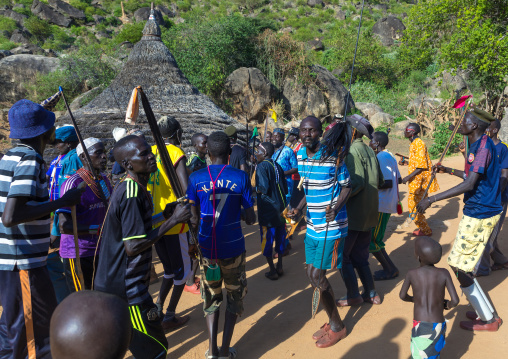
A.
pixel 173 253
pixel 148 339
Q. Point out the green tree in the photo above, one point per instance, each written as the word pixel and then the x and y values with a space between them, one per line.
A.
pixel 461 34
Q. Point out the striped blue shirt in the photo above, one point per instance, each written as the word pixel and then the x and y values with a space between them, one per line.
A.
pixel 318 178
pixel 23 174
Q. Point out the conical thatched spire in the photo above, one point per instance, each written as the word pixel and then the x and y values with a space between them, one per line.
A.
pixel 152 66
pixel 152 31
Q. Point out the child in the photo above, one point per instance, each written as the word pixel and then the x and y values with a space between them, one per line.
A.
pixel 428 284
pixel 107 338
pixel 197 160
pixel 271 188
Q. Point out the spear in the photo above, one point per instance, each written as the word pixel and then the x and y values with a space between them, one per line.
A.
pixel 167 164
pixel 458 104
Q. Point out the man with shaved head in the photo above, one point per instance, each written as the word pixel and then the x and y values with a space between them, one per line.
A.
pixel 482 210
pixel 126 245
pixel 419 170
pixel 90 325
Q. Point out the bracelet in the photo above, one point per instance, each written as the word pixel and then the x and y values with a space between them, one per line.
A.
pixel 453 171
pixel 93 229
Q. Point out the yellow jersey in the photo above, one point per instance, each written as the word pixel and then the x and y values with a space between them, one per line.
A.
pixel 160 188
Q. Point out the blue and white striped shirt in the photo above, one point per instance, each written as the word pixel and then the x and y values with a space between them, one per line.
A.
pixel 318 178
pixel 23 174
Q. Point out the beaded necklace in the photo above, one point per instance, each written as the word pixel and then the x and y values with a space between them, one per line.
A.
pixel 90 181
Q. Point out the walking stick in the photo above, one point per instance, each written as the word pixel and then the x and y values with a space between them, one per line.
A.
pixel 316 295
pixel 79 272
pixel 85 151
pixel 459 103
pixel 167 164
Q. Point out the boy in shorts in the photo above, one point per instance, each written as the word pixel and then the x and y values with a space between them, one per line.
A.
pixel 219 192
pixel 428 284
pixel 271 188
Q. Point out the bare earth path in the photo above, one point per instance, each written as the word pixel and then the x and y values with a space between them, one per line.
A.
pixel 277 321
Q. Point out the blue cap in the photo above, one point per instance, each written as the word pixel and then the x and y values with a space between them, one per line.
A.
pixel 279 130
pixel 66 134
pixel 28 119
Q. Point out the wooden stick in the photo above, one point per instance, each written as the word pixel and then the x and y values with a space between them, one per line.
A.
pixel 433 176
pixel 79 272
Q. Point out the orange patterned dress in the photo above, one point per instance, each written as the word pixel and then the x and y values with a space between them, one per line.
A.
pixel 419 158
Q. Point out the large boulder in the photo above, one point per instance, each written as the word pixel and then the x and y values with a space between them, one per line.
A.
pixel 143 13
pixel 316 45
pixel 503 131
pixel 313 3
pixel 16 70
pixel 381 118
pixel 400 127
pixel 251 93
pixel 5 53
pixel 334 91
pixel 85 97
pixel 20 37
pixel 368 109
pixel 388 29
pixel 28 49
pixel 16 16
pixel 304 100
pixel 67 9
pixel 45 12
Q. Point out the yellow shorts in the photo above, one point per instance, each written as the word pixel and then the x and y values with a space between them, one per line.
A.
pixel 472 237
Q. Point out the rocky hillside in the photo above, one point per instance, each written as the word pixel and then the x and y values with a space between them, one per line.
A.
pixel 248 56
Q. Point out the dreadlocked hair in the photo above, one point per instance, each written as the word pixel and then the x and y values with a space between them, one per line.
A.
pixel 337 141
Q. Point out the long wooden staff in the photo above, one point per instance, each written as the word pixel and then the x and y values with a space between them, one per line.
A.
pixel 413 214
pixel 79 272
pixel 85 151
pixel 316 295
pixel 167 164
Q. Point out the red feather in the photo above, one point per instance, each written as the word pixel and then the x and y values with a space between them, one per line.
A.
pixel 461 101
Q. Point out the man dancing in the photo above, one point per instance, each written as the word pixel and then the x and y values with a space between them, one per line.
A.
pixel 319 164
pixel 482 209
pixel 419 176
pixel 126 245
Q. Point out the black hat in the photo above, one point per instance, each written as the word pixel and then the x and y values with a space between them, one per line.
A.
pixel 361 124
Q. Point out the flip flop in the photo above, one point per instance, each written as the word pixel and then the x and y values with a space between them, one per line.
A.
pixel 499 266
pixel 232 354
pixel 382 275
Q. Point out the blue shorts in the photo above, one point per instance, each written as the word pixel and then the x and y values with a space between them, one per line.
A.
pixel 332 257
pixel 271 235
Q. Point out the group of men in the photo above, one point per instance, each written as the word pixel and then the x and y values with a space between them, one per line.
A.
pixel 345 189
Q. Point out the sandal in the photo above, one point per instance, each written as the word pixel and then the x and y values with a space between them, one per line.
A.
pixel 499 266
pixel 232 354
pixel 383 275
pixel 272 275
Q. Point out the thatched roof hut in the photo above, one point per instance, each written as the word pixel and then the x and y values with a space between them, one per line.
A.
pixel 151 66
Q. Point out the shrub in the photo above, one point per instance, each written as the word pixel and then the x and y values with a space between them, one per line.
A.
pixel 6 44
pixel 441 136
pixel 86 65
pixel 281 57
pixel 40 29
pixel 7 24
pixel 208 51
pixel 131 32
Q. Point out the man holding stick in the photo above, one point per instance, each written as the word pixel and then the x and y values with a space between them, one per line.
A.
pixel 26 293
pixel 90 214
pixel 419 170
pixel 482 210
pixel 318 164
pixel 126 245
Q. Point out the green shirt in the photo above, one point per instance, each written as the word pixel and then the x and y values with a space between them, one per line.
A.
pixel 366 176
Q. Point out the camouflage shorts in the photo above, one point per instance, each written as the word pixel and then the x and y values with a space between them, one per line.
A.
pixel 235 282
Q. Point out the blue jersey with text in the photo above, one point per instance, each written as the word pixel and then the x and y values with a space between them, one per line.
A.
pixel 232 192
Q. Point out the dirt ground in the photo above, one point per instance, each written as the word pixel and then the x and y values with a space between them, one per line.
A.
pixel 277 320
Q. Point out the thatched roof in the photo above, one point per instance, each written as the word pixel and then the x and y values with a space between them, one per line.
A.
pixel 152 66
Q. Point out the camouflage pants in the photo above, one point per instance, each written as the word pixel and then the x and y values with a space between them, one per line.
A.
pixel 235 282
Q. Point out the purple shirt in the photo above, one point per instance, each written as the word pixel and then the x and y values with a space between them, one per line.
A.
pixel 91 211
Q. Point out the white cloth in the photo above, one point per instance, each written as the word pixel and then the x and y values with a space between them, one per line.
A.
pixel 89 142
pixel 119 133
pixel 388 198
